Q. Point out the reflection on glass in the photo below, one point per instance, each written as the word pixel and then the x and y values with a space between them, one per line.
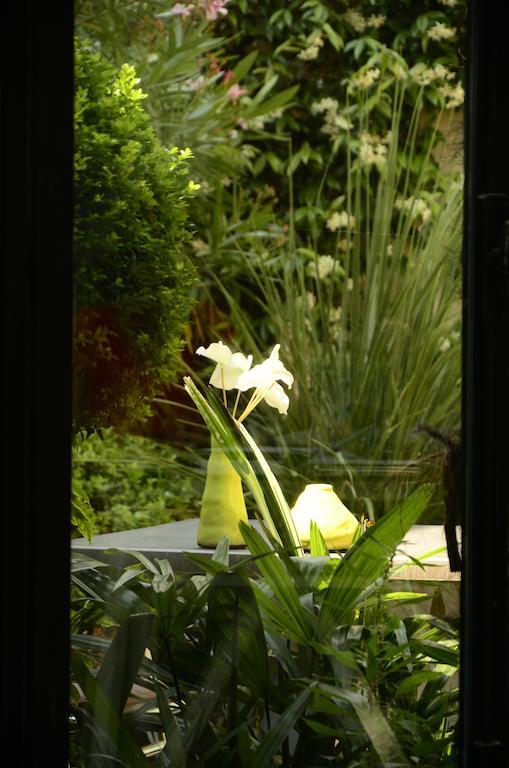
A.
pixel 267 351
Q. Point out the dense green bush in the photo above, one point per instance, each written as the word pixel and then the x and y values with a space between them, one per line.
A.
pixel 133 282
pixel 133 482
pixel 317 45
pixel 302 662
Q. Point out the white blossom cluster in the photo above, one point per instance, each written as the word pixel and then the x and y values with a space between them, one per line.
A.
pixel 312 51
pixel 322 267
pixel 440 31
pixel 340 220
pixel 355 19
pixel 454 95
pixel 423 75
pixel 373 149
pixel 366 79
pixel 334 122
pixel 418 208
pixel 360 23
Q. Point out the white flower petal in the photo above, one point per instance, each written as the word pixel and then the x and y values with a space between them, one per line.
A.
pixel 217 351
pixel 259 377
pixel 276 397
pixel 262 376
pixel 241 361
pixel 226 376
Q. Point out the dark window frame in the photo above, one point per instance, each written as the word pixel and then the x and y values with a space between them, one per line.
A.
pixel 36 230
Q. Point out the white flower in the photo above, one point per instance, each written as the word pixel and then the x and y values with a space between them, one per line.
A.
pixel 376 21
pixel 317 40
pixel 441 31
pixel 276 397
pixel 442 73
pixel 324 105
pixel 308 54
pixel 334 222
pixel 445 345
pixel 263 378
pixel 324 267
pixel 335 314
pixel 449 3
pixel 355 19
pixel 422 75
pixel 263 375
pixel 340 221
pixel 367 78
pixel 453 95
pixel 400 73
pixel 197 246
pixel 334 122
pixel 230 366
pixel 417 207
pixel 310 299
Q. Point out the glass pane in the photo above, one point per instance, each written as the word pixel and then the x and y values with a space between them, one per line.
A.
pixel 267 347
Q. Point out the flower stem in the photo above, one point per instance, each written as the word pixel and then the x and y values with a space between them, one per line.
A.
pixel 225 401
pixel 236 403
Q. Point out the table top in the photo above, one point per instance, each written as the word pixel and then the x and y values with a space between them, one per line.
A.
pixel 172 541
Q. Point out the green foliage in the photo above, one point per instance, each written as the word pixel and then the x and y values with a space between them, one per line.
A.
pixel 188 75
pixel 263 667
pixel 132 482
pixel 82 513
pixel 132 279
pixel 371 329
pixel 316 45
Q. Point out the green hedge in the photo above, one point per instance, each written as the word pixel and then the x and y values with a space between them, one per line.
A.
pixel 133 283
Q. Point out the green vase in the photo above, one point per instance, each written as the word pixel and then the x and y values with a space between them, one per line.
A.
pixel 222 505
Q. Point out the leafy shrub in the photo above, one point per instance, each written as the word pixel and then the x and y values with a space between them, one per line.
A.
pixel 303 662
pixel 132 482
pixel 371 328
pixel 132 279
pixel 316 45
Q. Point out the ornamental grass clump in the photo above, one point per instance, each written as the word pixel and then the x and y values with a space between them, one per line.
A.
pixel 133 283
pixel 371 328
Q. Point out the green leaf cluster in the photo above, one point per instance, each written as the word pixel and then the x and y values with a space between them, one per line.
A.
pixel 131 482
pixel 277 660
pixel 132 280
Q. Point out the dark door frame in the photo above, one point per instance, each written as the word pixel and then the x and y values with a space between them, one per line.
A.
pixel 36 230
pixel 484 677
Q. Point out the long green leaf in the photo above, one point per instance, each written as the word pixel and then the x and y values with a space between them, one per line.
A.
pixel 272 740
pixel 108 735
pixel 123 659
pixel 366 561
pixel 236 629
pixel 298 620
pixel 174 748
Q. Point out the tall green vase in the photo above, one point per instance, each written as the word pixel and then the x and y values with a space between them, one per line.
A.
pixel 222 505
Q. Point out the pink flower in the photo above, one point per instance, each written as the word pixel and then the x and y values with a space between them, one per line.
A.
pixel 234 92
pixel 214 8
pixel 181 9
pixel 227 76
pixel 214 65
